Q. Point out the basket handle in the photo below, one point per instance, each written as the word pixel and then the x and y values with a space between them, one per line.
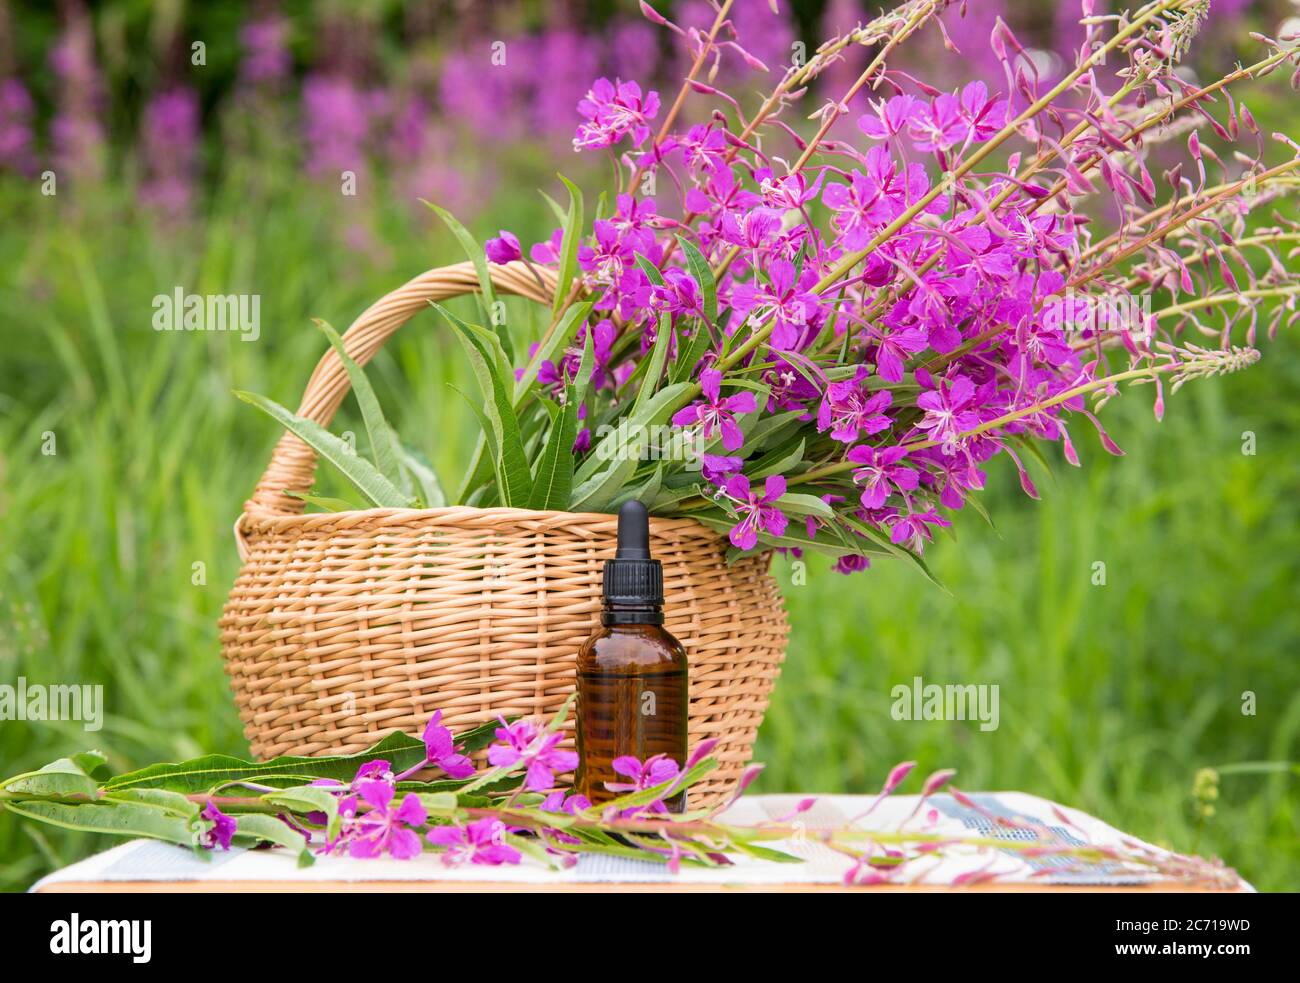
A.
pixel 293 463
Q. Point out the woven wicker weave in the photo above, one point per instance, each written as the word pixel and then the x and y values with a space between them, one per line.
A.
pixel 344 626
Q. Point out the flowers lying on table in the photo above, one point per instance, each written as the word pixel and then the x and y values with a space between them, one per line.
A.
pixel 404 796
pixel 847 331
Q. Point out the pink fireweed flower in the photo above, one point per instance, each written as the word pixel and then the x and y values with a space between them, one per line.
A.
pixel 655 770
pixel 851 563
pixel 504 249
pixel 524 741
pixel 949 410
pixel 890 117
pixel 913 530
pixel 609 258
pixel 439 746
pixel 679 294
pixel 220 833
pixel 717 414
pixel 792 191
pixel 752 230
pixel 876 195
pixel 383 829
pixel 881 473
pixel 850 408
pixel 714 468
pixel 612 111
pixel 480 842
pixel 895 349
pixel 704 149
pixel 560 801
pixel 786 297
pixel 753 510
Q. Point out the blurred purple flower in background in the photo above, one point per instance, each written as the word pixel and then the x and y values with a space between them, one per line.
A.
pixel 169 145
pixel 336 117
pixel 75 131
pixel 17 151
pixel 266 53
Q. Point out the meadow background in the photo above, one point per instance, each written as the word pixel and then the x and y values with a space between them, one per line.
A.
pixel 225 178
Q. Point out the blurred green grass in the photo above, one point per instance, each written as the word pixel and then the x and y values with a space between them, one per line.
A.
pixel 1111 696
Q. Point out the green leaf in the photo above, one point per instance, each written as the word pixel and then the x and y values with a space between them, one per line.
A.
pixel 172 802
pixel 804 505
pixel 779 460
pixel 309 798
pixel 598 493
pixel 556 208
pixel 267 829
pixel 646 493
pixel 560 339
pixel 430 487
pixel 703 273
pixel 689 355
pixel 493 460
pixel 328 504
pixel 568 247
pixel 654 413
pixel 553 484
pixel 514 478
pixel 115 819
pixel 649 269
pixel 760 852
pixel 440 804
pixel 478 257
pixel 209 771
pixel 383 441
pixel 377 489
pixel 63 777
pixel 882 540
pixel 655 366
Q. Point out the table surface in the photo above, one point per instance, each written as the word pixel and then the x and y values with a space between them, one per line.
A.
pixel 145 866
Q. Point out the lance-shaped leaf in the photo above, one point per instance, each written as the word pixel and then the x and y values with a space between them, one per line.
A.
pixel 703 273
pixel 689 354
pixel 514 476
pixel 326 503
pixel 377 489
pixel 309 798
pixel 568 246
pixel 478 257
pixel 558 340
pixel 654 413
pixel 553 484
pixel 64 777
pixel 113 818
pixel 430 487
pixel 252 828
pixel 209 771
pixel 383 441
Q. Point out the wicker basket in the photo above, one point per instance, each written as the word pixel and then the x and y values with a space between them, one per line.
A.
pixel 342 627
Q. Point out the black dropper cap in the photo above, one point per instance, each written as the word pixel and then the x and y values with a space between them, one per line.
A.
pixel 632 579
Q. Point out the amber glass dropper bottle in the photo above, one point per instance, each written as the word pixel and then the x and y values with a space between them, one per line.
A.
pixel 631 672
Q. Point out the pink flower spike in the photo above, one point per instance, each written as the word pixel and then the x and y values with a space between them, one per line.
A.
pixel 937 781
pixel 896 776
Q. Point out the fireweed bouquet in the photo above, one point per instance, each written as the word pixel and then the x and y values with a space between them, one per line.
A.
pixel 820 352
pixel 829 343
pixel 404 796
